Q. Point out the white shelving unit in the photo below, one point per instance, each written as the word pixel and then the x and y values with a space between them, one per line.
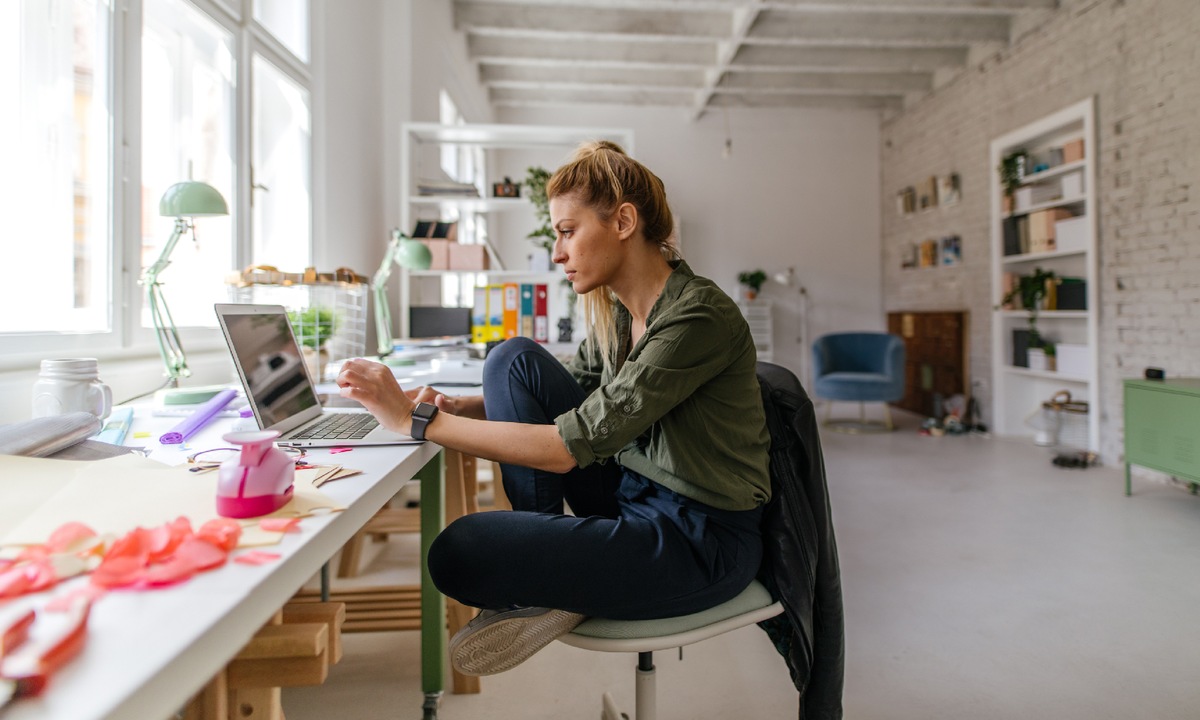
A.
pixel 420 145
pixel 1019 391
pixel 762 329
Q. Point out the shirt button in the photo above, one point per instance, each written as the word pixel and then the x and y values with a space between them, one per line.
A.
pixel 603 429
pixel 628 409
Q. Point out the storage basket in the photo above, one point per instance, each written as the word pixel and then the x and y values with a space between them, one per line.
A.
pixel 1061 421
pixel 328 310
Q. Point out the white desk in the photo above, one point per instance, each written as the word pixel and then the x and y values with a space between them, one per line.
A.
pixel 147 653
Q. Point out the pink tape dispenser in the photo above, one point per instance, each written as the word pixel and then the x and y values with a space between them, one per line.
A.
pixel 256 482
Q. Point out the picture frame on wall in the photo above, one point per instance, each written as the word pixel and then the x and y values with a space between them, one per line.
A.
pixel 949 189
pixel 927 194
pixel 950 251
pixel 929 253
pixel 906 201
pixel 909 256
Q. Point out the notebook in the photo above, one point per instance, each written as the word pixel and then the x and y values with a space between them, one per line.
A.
pixel 281 394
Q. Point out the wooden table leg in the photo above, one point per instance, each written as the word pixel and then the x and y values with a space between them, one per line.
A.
pixel 460 500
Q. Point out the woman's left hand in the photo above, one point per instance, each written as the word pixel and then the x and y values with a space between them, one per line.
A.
pixel 374 385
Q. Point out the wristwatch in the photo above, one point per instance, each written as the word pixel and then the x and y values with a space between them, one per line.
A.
pixel 422 415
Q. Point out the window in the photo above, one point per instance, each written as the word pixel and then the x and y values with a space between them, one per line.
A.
pixel 187 133
pixel 56 214
pixel 80 218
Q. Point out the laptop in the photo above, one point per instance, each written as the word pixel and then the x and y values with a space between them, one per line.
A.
pixel 281 394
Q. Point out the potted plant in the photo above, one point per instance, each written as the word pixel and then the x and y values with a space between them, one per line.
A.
pixel 314 327
pixel 535 181
pixel 753 281
pixel 1012 172
pixel 1031 291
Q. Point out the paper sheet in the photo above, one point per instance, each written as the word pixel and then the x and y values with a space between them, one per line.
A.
pixel 118 494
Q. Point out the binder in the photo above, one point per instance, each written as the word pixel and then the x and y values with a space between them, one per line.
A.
pixel 541 321
pixel 526 315
pixel 479 316
pixel 511 311
pixel 495 323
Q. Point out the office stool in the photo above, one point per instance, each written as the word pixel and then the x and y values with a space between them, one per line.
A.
pixel 643 637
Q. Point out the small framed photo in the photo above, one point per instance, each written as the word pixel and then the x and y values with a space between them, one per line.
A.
pixel 927 194
pixel 951 250
pixel 506 189
pixel 906 201
pixel 949 189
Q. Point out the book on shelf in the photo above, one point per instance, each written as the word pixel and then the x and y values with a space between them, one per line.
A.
pixel 430 186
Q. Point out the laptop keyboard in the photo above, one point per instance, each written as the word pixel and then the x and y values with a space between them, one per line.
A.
pixel 339 426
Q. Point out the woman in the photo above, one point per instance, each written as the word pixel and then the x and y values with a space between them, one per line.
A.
pixel 654 436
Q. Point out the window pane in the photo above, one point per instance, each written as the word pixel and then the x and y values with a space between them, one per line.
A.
pixel 282 170
pixel 287 20
pixel 187 131
pixel 55 136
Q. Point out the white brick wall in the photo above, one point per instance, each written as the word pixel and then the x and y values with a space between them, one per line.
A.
pixel 1141 59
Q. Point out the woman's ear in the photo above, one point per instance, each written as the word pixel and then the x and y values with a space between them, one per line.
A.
pixel 627 220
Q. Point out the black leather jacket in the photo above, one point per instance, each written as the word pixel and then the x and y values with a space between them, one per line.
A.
pixel 800 564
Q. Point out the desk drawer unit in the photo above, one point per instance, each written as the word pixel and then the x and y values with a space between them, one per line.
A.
pixel 1162 427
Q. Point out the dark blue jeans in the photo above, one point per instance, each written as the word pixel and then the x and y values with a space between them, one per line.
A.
pixel 632 549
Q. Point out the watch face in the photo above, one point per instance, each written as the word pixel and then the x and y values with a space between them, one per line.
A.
pixel 425 410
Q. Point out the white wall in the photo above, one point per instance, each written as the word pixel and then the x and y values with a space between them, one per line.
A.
pixel 801 190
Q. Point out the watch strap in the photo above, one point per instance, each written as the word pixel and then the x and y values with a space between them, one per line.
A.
pixel 423 414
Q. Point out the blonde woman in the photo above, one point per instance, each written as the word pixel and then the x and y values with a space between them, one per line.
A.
pixel 654 436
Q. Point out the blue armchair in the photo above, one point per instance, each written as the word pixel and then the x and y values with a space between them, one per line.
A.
pixel 858 367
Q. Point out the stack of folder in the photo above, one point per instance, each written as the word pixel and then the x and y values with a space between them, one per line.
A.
pixel 506 310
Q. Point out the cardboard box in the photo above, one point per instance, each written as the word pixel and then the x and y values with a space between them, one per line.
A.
pixel 468 257
pixel 1042 228
pixel 1072 359
pixel 1071 233
pixel 1073 151
pixel 439 250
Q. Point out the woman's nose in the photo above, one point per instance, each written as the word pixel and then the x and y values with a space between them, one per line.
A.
pixel 557 255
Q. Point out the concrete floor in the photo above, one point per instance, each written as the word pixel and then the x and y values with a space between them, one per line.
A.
pixel 980 582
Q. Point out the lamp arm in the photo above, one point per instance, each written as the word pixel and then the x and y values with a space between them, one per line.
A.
pixel 383 314
pixel 169 346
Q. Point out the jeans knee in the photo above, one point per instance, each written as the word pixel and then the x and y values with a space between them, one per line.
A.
pixel 451 556
pixel 501 357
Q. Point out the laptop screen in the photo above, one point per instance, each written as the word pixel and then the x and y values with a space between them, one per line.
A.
pixel 270 363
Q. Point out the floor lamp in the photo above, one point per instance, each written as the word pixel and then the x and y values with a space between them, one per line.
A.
pixel 182 201
pixel 407 253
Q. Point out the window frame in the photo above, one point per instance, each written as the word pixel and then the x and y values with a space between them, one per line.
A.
pixel 127 339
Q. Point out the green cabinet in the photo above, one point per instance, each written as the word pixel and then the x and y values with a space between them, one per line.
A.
pixel 1162 427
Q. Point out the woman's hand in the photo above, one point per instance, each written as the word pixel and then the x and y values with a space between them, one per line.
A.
pixel 445 403
pixel 374 385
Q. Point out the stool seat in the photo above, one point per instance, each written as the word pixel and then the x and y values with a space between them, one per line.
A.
pixel 752 605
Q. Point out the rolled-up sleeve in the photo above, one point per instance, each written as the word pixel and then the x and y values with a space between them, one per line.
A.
pixel 679 354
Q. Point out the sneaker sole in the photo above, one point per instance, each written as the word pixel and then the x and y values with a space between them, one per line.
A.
pixel 509 642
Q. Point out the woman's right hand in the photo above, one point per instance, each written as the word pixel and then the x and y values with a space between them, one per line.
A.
pixel 444 403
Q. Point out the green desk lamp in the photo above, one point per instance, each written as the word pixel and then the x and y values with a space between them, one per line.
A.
pixel 182 201
pixel 407 253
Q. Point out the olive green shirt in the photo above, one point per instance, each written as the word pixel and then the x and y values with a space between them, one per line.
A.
pixel 683 407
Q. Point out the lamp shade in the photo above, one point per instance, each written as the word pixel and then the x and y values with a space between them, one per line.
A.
pixel 192 198
pixel 413 255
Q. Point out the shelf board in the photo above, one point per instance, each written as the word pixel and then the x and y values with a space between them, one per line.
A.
pixel 1061 202
pixel 471 204
pixel 542 274
pixel 1047 374
pixel 1035 257
pixel 1053 172
pixel 1081 314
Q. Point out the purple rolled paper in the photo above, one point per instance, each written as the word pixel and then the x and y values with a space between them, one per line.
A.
pixel 199 418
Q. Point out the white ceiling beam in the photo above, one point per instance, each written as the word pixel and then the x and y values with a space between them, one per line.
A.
pixel 532 47
pixel 873 28
pixel 478 16
pixel 836 102
pixel 493 74
pixel 1008 6
pixel 603 96
pixel 743 19
pixel 849 58
pixel 893 83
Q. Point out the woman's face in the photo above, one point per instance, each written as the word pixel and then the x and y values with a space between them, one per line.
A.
pixel 588 248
